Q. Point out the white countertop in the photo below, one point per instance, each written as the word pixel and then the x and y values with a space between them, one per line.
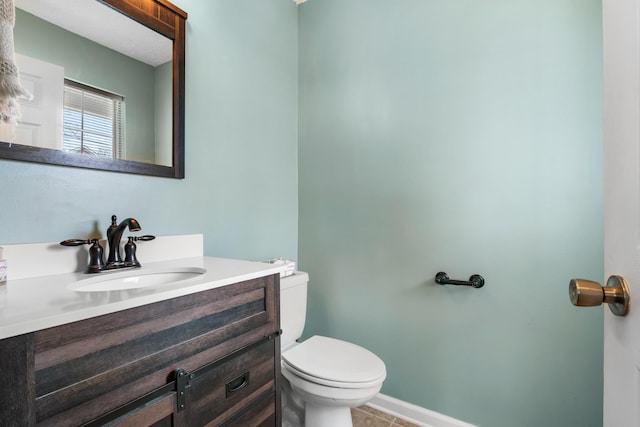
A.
pixel 31 304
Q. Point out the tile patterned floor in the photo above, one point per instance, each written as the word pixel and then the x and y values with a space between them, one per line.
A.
pixel 364 416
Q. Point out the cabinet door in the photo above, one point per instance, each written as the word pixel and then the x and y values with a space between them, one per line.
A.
pixel 157 412
pixel 257 414
pixel 239 391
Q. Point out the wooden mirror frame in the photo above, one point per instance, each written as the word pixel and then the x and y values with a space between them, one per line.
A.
pixel 170 21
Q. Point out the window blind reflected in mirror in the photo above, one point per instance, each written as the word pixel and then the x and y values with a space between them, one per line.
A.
pixel 93 121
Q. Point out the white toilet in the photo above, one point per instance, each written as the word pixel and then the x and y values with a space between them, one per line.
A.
pixel 323 377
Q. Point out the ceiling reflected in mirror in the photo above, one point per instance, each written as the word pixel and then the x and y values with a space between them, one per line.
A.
pixel 104 25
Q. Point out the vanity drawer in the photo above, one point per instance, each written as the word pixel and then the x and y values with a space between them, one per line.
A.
pixel 242 384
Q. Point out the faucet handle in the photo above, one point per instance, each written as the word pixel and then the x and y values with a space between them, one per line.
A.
pixel 75 242
pixel 130 259
pixel 144 238
pixel 96 257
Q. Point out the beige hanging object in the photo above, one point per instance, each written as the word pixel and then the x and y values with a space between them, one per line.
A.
pixel 10 87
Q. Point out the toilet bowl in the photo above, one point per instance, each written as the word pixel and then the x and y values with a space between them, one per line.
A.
pixel 331 376
pixel 323 378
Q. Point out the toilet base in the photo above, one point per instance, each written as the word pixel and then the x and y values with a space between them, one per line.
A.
pixel 318 405
pixel 292 407
pixel 323 416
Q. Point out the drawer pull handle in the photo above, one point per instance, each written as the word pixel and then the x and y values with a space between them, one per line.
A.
pixel 237 383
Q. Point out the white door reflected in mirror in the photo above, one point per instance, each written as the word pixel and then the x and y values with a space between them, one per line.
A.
pixel 40 124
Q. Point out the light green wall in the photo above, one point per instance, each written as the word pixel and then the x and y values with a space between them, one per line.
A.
pixel 92 64
pixel 460 136
pixel 241 149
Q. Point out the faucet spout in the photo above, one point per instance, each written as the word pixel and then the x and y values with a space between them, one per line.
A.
pixel 114 235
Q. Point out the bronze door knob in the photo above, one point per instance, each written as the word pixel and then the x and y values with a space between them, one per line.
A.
pixel 587 293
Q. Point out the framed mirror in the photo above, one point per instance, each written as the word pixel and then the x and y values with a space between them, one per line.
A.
pixel 117 73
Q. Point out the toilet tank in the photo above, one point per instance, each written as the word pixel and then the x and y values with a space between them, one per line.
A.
pixel 293 307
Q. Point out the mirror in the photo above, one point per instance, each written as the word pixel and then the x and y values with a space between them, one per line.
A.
pixel 137 64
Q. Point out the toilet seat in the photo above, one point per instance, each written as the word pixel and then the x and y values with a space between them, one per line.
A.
pixel 334 363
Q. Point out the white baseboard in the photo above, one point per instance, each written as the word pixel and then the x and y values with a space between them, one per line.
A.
pixel 414 414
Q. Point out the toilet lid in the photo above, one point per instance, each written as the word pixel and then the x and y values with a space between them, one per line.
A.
pixel 334 360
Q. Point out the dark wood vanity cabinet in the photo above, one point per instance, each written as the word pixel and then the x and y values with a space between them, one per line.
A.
pixel 210 358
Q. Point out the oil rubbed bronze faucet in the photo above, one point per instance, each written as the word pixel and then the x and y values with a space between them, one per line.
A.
pixel 114 235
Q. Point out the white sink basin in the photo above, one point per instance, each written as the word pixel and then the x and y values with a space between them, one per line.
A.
pixel 136 279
